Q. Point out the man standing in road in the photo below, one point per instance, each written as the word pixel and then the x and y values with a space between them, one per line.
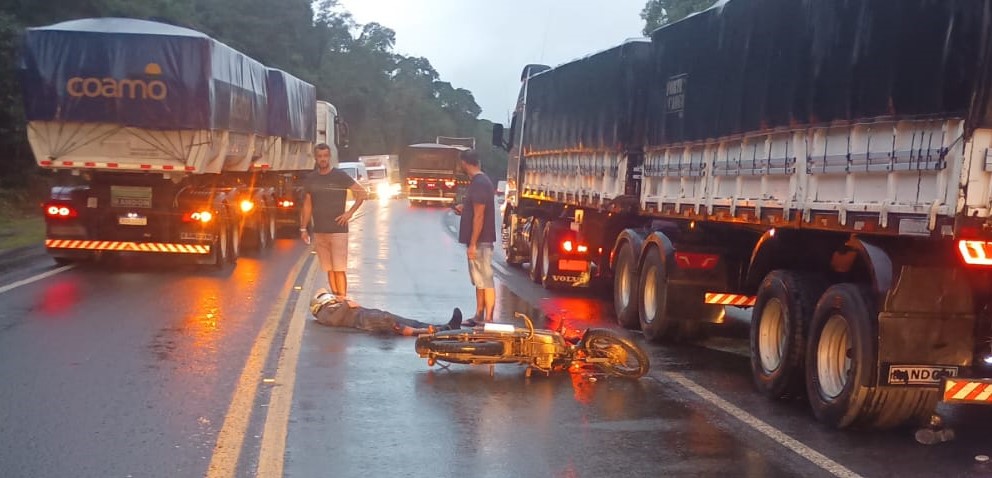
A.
pixel 325 194
pixel 477 231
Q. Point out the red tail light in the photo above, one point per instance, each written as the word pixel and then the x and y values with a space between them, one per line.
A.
pixel 198 216
pixel 976 253
pixel 60 211
pixel 696 260
pixel 286 203
pixel 569 245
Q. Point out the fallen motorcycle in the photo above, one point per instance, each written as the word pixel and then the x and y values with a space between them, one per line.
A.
pixel 546 351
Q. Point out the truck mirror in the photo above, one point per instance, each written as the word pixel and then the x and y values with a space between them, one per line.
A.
pixel 341 136
pixel 498 135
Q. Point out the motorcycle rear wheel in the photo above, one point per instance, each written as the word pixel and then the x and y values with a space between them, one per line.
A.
pixel 624 358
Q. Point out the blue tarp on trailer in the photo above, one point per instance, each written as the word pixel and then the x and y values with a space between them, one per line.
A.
pixel 140 74
pixel 292 107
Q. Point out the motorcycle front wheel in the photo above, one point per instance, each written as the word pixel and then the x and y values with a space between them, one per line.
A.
pixel 623 357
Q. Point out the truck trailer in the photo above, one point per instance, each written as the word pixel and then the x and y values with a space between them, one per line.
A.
pixel 164 140
pixel 432 173
pixel 825 164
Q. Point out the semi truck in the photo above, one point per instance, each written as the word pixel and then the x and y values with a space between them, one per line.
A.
pixel 164 140
pixel 825 164
pixel 432 173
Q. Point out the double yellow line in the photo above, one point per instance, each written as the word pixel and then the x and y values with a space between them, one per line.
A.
pixel 231 439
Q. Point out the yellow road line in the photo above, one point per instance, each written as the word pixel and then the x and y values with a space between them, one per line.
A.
pixel 230 440
pixel 273 450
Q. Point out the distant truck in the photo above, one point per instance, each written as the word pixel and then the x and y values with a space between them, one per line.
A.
pixel 384 175
pixel 167 140
pixel 432 173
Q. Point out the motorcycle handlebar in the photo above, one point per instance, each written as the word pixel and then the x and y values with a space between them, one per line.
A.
pixel 530 324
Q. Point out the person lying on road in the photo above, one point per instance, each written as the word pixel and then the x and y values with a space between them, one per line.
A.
pixel 330 310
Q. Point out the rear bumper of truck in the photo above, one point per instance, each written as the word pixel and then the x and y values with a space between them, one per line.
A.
pixel 967 390
pixel 55 246
pixel 431 199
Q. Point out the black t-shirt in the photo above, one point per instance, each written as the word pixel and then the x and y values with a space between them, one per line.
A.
pixel 480 191
pixel 328 195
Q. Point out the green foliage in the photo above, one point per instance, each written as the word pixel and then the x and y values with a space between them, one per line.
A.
pixel 657 13
pixel 389 100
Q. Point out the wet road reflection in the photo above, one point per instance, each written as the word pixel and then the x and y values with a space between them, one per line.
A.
pixel 368 406
pixel 126 366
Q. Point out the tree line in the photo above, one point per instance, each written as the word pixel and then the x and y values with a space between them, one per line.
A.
pixel 389 100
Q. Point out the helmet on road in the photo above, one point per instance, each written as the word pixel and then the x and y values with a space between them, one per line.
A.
pixel 320 299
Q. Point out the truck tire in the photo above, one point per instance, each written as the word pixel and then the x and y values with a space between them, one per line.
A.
pixel 535 251
pixel 234 251
pixel 513 257
pixel 657 322
pixel 625 287
pixel 256 235
pixel 840 358
pixel 273 229
pixel 220 249
pixel 262 233
pixel 549 264
pixel 779 321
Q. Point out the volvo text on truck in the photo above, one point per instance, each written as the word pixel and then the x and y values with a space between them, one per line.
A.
pixel 826 164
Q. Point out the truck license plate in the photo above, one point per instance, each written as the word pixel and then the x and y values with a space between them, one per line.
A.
pixel 197 236
pixel 919 374
pixel 132 221
pixel 575 266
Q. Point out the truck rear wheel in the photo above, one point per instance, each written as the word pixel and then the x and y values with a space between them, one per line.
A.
pixel 779 322
pixel 273 229
pixel 625 287
pixel 234 251
pixel 549 264
pixel 513 257
pixel 257 234
pixel 535 251
pixel 220 249
pixel 657 322
pixel 262 234
pixel 840 358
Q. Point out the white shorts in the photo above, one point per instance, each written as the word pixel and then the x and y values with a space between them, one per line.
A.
pixel 480 270
pixel 332 250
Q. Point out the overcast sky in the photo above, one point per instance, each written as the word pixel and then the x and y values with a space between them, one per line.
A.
pixel 483 45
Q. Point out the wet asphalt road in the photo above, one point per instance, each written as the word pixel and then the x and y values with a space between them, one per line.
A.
pixel 130 369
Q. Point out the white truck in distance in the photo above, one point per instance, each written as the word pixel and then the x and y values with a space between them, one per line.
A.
pixel 384 175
